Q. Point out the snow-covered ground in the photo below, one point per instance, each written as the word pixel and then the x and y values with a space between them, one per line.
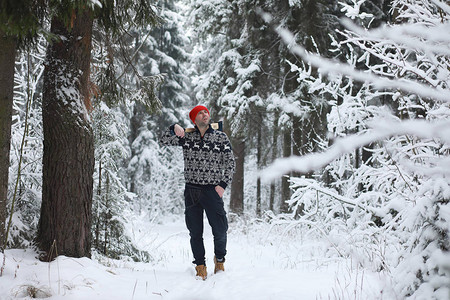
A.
pixel 262 263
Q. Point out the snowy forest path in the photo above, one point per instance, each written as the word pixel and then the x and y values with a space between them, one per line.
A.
pixel 261 264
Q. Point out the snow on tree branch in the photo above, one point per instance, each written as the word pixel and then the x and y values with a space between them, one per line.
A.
pixel 326 66
pixel 382 130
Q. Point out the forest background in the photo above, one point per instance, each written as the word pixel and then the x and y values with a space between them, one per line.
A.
pixel 338 113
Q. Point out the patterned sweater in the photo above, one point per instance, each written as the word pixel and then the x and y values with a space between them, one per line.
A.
pixel 208 160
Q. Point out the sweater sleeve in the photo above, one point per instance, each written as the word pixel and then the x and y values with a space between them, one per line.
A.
pixel 229 163
pixel 169 138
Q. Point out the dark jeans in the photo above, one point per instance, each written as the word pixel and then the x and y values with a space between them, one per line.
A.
pixel 198 199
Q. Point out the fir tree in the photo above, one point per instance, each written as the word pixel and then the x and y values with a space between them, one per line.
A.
pixel 66 114
pixel 163 50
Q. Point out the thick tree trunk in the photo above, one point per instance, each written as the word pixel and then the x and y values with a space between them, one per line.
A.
pixel 68 160
pixel 237 186
pixel 7 59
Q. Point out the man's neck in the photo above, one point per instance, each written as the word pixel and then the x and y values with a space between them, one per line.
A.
pixel 203 129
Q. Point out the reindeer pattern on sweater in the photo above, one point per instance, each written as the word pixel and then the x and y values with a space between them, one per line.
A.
pixel 208 160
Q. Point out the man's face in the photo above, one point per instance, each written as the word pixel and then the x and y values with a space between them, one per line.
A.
pixel 202 118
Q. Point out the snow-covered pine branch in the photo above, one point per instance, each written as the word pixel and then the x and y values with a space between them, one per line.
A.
pixel 327 66
pixel 380 131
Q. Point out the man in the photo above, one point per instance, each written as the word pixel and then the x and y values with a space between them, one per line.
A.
pixel 208 169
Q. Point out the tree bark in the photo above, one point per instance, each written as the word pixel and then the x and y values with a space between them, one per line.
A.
pixel 259 166
pixel 297 151
pixel 68 159
pixel 287 151
pixel 7 60
pixel 237 186
pixel 275 134
pixel 297 134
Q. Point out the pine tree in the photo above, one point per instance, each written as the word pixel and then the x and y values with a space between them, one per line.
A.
pixel 68 161
pixel 167 54
pixel 163 51
pixel 112 207
pixel 7 59
pixel 68 135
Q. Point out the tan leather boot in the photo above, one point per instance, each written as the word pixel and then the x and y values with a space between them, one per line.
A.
pixel 201 272
pixel 218 266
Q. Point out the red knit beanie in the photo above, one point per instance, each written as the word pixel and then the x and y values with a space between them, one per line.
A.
pixel 195 111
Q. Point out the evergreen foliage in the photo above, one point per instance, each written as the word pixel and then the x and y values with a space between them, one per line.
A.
pixel 22 19
pixel 154 174
pixel 110 204
pixel 167 53
pixel 29 66
pixel 117 77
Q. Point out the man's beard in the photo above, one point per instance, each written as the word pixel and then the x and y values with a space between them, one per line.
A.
pixel 202 124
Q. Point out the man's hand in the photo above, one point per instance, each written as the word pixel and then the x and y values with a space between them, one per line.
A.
pixel 179 131
pixel 220 190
